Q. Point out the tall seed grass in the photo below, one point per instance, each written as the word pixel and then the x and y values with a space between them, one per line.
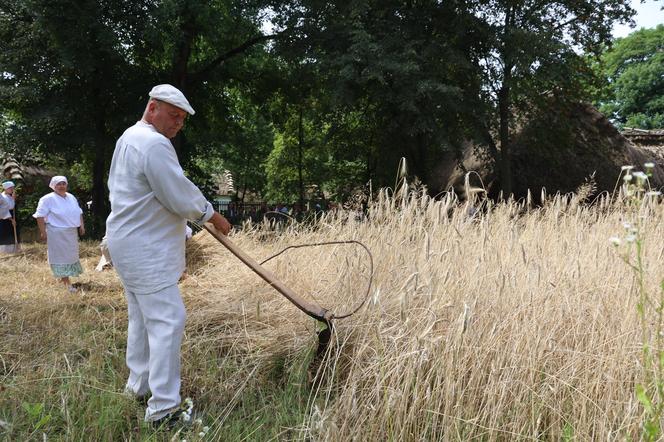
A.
pixel 513 322
pixel 508 322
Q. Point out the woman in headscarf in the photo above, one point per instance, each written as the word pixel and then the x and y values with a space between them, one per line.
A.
pixel 59 217
pixel 8 241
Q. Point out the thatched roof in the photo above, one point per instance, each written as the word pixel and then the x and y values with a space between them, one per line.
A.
pixel 644 137
pixel 558 152
pixel 651 140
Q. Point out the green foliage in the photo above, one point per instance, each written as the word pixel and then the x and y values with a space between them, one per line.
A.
pixel 289 157
pixel 634 69
pixel 36 416
pixel 76 74
pixel 248 142
pixel 530 53
pixel 374 82
pixel 70 80
pixel 403 73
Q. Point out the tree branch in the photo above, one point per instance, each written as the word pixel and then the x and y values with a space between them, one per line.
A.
pixel 201 74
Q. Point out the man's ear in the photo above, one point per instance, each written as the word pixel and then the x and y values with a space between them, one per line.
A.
pixel 152 105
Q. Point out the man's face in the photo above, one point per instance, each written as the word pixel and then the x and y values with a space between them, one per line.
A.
pixel 166 118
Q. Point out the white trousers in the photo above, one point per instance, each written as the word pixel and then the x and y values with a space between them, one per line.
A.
pixel 154 335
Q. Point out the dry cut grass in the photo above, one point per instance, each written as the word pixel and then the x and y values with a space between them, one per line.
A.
pixel 510 324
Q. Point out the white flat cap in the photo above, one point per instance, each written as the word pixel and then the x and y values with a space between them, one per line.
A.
pixel 171 95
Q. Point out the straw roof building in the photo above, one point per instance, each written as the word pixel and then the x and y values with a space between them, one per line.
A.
pixel 559 152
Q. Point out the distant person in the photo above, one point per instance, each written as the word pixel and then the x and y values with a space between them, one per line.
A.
pixel 8 236
pixel 151 199
pixel 60 221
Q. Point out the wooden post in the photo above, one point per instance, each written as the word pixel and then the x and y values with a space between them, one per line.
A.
pixel 14 225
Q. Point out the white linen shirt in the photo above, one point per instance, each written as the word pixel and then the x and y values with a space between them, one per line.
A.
pixel 151 199
pixel 6 204
pixel 59 211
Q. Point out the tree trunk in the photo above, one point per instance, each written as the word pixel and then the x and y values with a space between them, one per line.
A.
pixel 505 153
pixel 504 104
pixel 100 208
pixel 300 158
pixel 181 80
pixel 102 142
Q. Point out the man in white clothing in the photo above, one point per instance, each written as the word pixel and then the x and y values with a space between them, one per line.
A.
pixel 151 199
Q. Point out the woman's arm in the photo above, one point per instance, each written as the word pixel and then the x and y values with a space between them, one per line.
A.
pixel 81 229
pixel 42 227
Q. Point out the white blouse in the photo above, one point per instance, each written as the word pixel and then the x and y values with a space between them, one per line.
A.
pixel 6 204
pixel 59 211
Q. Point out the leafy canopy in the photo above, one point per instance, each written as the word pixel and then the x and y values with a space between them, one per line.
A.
pixel 634 69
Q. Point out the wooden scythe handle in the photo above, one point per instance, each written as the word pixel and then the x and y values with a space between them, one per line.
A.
pixel 14 226
pixel 311 309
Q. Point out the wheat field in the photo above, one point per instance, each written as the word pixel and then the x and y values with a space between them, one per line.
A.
pixel 504 322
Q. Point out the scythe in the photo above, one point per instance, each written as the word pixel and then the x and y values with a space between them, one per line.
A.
pixel 310 308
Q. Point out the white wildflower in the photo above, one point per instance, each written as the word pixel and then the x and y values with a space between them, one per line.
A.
pixel 198 421
pixel 615 241
pixel 627 178
pixel 653 193
pixel 201 434
pixel 630 238
pixel 640 175
pixel 649 165
pixel 627 168
pixel 206 429
pixel 186 417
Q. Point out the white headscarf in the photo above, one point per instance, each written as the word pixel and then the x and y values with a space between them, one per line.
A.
pixel 57 179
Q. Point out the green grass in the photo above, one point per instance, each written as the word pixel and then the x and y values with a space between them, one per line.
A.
pixel 64 375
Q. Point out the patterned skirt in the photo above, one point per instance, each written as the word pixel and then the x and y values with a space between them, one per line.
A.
pixel 62 243
pixel 65 270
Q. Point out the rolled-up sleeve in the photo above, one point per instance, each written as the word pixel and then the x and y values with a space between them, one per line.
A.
pixel 172 188
pixel 42 209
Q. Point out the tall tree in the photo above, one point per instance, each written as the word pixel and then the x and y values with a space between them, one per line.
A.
pixel 66 72
pixel 402 69
pixel 531 52
pixel 247 143
pixel 634 69
pixel 76 73
pixel 298 160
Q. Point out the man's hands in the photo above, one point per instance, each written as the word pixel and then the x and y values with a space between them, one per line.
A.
pixel 220 223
